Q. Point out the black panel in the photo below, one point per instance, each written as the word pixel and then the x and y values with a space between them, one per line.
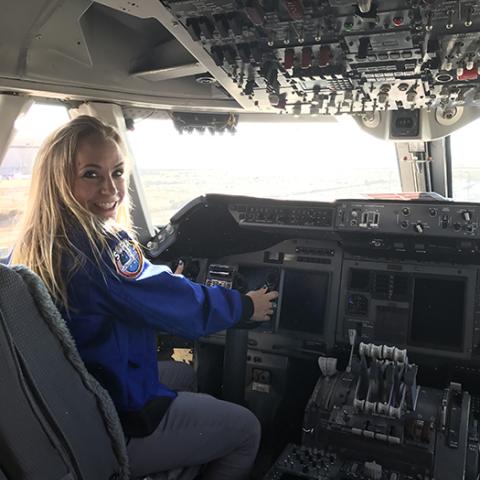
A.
pixel 254 277
pixel 391 324
pixel 405 123
pixel 359 280
pixel 438 313
pixel 304 301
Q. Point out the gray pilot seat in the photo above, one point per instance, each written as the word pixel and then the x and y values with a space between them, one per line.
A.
pixel 56 420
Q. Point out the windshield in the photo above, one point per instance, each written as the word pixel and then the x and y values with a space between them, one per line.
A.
pixel 294 161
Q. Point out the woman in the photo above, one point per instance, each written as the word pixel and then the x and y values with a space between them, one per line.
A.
pixel 76 236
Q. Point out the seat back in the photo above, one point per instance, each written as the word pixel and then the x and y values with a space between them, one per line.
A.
pixel 56 421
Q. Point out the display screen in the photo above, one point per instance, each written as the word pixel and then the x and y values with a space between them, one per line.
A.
pixel 438 313
pixel 391 324
pixel 304 301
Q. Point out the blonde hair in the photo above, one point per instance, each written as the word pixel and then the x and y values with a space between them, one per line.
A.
pixel 46 234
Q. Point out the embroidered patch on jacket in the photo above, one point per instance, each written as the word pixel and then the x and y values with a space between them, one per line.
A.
pixel 128 259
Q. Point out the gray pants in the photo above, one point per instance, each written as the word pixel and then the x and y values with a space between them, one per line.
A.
pixel 197 430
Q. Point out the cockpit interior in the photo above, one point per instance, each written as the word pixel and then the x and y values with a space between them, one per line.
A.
pixel 370 365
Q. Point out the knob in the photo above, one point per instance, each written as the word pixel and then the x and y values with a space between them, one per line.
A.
pixel 458 52
pixel 411 96
pixel 449 24
pixel 429 25
pixel 406 211
pixel 432 212
pixel 470 63
pixel 382 97
pixel 300 36
pixel 468 18
pixel 249 87
pixel 364 5
pixel 418 227
pixel 376 243
pixel 274 99
pixel 448 65
pixel 398 21
pixel 271 38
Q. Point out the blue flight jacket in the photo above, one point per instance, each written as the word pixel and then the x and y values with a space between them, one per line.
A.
pixel 115 312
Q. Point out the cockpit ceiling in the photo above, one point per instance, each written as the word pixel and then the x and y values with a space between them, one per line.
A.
pixel 77 49
pixel 300 57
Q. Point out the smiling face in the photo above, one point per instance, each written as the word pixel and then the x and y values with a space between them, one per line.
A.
pixel 99 182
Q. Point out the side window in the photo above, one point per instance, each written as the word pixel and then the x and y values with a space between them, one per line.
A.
pixel 16 168
pixel 465 144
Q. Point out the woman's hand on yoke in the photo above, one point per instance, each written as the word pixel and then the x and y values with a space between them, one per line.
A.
pixel 262 303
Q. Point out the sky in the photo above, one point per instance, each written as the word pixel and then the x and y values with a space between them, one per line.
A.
pixel 312 148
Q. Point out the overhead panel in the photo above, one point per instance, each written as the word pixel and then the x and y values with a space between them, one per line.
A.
pixel 334 57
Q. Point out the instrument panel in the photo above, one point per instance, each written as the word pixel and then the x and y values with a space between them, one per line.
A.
pixel 430 219
pixel 343 267
pixel 305 273
pixel 331 57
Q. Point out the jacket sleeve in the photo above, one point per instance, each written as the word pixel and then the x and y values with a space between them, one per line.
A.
pixel 170 302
